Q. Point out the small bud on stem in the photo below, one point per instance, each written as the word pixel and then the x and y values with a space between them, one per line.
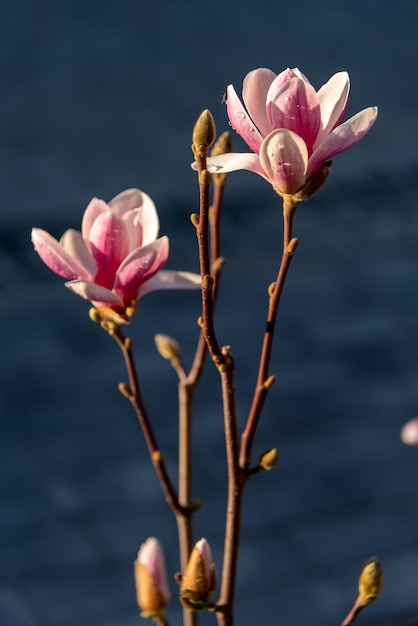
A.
pixel 203 133
pixel 198 583
pixel 152 590
pixel 194 218
pixel 269 459
pixel 167 346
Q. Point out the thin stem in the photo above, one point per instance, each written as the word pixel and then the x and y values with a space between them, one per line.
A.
pixel 236 483
pixel 223 360
pixel 184 471
pixel 135 398
pixel 263 382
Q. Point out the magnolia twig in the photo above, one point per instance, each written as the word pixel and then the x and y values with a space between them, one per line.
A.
pixel 133 394
pixel 223 360
pixel 263 380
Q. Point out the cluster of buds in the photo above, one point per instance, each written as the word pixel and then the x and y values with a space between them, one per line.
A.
pixel 197 584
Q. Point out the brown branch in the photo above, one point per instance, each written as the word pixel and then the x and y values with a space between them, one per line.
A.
pixel 263 381
pixel 134 395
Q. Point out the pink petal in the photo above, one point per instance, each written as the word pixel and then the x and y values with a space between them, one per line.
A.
pixel 254 93
pixel 241 121
pixel 284 158
pixel 139 267
pixel 139 210
pixel 142 225
pixel 333 97
pixel 233 161
pixel 126 201
pixel 204 548
pixel 98 295
pixel 295 106
pixel 170 279
pixel 55 257
pixel 94 209
pixel 109 246
pixel 74 244
pixel 342 138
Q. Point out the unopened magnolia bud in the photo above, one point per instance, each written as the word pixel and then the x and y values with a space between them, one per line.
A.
pixel 271 289
pixel 204 132
pixel 198 583
pixel 152 590
pixel 125 390
pixel 194 218
pixel 370 582
pixel 269 382
pixel 222 145
pixel 167 346
pixel 207 282
pixel 314 184
pixel 293 244
pixel 269 459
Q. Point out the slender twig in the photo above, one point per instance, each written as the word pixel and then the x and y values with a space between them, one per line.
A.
pixel 186 387
pixel 135 398
pixel 263 381
pixel 222 358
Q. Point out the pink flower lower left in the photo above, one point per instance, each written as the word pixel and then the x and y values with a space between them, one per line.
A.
pixel 116 258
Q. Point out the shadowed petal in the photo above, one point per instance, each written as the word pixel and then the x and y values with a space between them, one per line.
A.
pixel 254 93
pixel 55 257
pixel 170 279
pixel 342 137
pixel 241 121
pixel 139 267
pixel 74 244
pixel 94 209
pixel 284 158
pixel 95 293
pixel 333 97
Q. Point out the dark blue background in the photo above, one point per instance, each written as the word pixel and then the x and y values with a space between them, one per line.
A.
pixel 100 96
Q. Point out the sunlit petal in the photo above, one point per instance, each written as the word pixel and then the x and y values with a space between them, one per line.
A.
pixel 55 257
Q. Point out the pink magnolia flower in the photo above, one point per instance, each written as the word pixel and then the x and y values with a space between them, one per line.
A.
pixel 291 128
pixel 116 258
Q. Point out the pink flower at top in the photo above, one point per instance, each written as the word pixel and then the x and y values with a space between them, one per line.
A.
pixel 116 258
pixel 291 128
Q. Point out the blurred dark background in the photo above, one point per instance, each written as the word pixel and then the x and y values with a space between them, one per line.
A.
pixel 100 96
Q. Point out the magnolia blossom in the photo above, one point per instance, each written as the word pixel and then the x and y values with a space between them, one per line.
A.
pixel 116 258
pixel 291 128
pixel 153 592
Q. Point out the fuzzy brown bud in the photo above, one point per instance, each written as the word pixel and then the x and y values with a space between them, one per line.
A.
pixel 370 582
pixel 152 589
pixel 204 132
pixel 222 145
pixel 167 346
pixel 198 583
pixel 269 459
